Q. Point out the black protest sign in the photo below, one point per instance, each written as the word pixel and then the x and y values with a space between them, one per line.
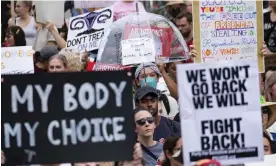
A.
pixel 67 117
pixel 226 84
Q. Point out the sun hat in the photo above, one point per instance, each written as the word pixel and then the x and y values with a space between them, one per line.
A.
pixel 272 107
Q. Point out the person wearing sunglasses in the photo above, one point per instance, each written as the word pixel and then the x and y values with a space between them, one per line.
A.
pixel 147 98
pixel 15 36
pixel 145 125
pixel 268 117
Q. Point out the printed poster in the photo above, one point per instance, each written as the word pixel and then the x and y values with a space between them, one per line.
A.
pixel 229 30
pixel 17 60
pixel 219 107
pixel 85 32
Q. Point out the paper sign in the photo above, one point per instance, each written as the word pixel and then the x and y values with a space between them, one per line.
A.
pixel 92 4
pixel 17 60
pixel 229 30
pixel 50 11
pixel 52 118
pixel 85 32
pixel 219 107
pixel 269 160
pixel 138 50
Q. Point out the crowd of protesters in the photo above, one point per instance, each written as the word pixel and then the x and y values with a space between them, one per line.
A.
pixel 156 110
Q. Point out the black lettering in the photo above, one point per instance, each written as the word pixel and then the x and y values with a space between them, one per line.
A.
pixel 246 68
pixel 205 145
pixel 225 144
pixel 215 88
pixel 215 74
pixel 215 143
pixel 199 102
pixel 226 73
pixel 219 126
pixel 204 126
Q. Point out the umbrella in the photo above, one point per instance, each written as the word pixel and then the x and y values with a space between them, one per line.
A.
pixel 142 34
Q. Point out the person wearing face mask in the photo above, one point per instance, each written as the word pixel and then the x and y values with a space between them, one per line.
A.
pixel 148 74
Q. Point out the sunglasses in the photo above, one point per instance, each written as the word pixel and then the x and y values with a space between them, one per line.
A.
pixel 143 121
pixel 265 110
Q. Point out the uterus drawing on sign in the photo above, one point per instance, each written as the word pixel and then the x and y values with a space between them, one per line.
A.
pixel 90 20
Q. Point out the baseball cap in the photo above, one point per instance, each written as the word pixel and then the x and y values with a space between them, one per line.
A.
pixel 45 53
pixel 143 91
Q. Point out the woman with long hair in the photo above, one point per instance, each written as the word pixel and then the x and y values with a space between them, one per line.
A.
pixel 171 146
pixel 25 20
pixel 15 36
pixel 270 87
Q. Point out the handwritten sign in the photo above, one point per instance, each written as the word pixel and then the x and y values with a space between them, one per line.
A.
pixel 17 60
pixel 216 100
pixel 87 30
pixel 137 50
pixel 50 118
pixel 229 30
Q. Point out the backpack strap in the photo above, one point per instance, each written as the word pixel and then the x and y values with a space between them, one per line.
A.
pixel 165 100
pixel 145 149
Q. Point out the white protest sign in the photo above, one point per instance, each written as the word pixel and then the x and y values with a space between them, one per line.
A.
pixel 50 11
pixel 17 60
pixel 92 4
pixel 269 160
pixel 220 111
pixel 85 32
pixel 137 50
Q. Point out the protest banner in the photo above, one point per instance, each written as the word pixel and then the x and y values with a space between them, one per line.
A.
pixel 138 50
pixel 92 4
pixel 17 60
pixel 85 32
pixel 52 118
pixel 219 107
pixel 229 30
pixel 270 61
pixel 56 16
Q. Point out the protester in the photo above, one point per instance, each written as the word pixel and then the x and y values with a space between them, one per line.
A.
pixel 147 98
pixel 268 117
pixel 145 125
pixel 57 63
pixel 267 144
pixel 184 22
pixel 270 27
pixel 25 20
pixel 41 58
pixel 171 146
pixel 15 36
pixel 173 8
pixel 147 74
pixel 270 87
pixel 75 63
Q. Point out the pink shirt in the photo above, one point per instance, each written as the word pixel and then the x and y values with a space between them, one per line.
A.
pixel 122 8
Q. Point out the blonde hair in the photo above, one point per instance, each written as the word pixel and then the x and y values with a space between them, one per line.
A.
pixel 60 57
pixel 73 59
pixel 269 82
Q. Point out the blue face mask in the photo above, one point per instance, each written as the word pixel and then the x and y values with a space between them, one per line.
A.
pixel 149 81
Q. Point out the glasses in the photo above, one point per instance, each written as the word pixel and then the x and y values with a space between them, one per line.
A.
pixel 265 110
pixel 143 121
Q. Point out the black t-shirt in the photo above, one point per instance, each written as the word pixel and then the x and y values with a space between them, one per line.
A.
pixel 269 32
pixel 165 129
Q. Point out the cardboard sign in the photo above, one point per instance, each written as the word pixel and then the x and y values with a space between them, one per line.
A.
pixel 17 60
pixel 229 30
pixel 138 50
pixel 92 4
pixel 56 16
pixel 270 60
pixel 162 37
pixel 219 107
pixel 52 118
pixel 85 32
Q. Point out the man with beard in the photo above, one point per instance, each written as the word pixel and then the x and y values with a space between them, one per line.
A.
pixel 147 98
pixel 184 22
